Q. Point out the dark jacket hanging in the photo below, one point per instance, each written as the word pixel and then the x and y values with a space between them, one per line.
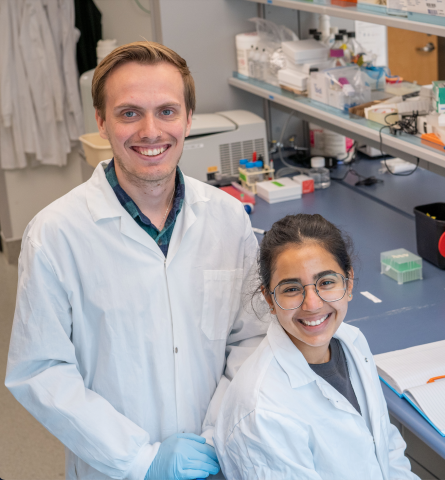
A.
pixel 89 22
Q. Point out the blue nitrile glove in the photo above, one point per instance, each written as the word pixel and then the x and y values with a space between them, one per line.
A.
pixel 183 456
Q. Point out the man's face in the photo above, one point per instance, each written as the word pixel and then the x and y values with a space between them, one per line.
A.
pixel 146 120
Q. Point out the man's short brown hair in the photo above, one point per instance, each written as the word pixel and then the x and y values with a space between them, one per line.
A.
pixel 146 53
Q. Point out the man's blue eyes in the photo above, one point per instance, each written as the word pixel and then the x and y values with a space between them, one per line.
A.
pixel 167 112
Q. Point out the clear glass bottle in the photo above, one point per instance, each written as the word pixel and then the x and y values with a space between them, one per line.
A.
pixel 336 56
pixel 256 63
pixel 330 40
pixel 319 173
pixel 251 62
pixel 338 44
pixel 263 66
pixel 344 32
pixel 353 46
pixel 243 162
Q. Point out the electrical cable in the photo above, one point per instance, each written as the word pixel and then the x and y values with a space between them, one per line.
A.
pixel 363 180
pixel 288 165
pixel 138 3
pixel 404 174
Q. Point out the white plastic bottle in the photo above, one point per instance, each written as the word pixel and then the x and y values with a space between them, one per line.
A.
pixel 324 26
pixel 319 173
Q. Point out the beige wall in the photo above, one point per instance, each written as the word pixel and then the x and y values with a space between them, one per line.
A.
pixel 27 191
pixel 124 20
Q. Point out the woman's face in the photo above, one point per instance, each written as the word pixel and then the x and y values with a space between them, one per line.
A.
pixel 305 264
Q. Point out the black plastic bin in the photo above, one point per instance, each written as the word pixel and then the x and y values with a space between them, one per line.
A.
pixel 430 233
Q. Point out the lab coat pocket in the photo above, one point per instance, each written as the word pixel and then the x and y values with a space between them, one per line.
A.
pixel 222 293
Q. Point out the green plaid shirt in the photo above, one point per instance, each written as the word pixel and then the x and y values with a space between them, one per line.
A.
pixel 162 238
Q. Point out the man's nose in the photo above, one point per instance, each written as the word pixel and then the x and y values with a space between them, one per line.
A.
pixel 150 128
pixel 312 301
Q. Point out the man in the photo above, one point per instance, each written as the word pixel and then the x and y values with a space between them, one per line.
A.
pixel 129 295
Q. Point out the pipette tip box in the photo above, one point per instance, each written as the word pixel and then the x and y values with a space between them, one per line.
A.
pixel 401 265
pixel 280 190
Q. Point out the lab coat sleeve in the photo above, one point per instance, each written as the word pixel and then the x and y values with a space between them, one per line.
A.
pixel 246 334
pixel 266 446
pixel 43 375
pixel 399 466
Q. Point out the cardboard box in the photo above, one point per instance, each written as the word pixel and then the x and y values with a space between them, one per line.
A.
pixel 306 182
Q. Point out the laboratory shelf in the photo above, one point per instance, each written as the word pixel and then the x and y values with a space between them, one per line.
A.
pixel 408 147
pixel 417 22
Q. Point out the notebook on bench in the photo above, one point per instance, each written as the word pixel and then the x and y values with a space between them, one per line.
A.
pixel 418 375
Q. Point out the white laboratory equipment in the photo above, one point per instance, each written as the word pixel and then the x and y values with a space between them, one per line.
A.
pixel 218 141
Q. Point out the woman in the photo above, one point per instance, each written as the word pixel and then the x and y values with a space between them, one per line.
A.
pixel 308 405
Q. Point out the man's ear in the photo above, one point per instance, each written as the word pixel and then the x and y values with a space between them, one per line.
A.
pixel 101 125
pixel 189 123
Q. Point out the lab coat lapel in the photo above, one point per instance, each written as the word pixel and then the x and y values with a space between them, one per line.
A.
pixel 194 193
pixel 364 370
pixel 132 230
pixel 184 221
pixel 103 203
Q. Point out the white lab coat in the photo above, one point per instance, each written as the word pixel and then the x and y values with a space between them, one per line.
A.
pixel 280 420
pixel 40 110
pixel 114 348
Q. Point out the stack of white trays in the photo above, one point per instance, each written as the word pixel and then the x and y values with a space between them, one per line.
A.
pixel 279 190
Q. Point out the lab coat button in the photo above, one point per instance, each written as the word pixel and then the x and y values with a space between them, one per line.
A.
pixel 366 359
pixel 176 350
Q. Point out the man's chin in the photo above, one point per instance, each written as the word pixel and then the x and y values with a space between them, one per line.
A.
pixel 148 174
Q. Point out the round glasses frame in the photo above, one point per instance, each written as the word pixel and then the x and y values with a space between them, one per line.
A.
pixel 345 282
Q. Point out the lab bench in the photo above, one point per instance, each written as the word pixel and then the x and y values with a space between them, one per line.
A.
pixel 380 218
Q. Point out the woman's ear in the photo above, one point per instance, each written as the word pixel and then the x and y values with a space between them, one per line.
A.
pixel 268 297
pixel 350 284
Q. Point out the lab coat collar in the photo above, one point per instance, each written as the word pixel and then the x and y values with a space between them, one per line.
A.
pixel 194 193
pixel 300 373
pixel 288 356
pixel 101 199
pixel 292 360
pixel 103 203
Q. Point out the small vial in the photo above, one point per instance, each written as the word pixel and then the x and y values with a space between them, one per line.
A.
pixel 243 162
pixel 319 173
pixel 250 166
pixel 259 166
